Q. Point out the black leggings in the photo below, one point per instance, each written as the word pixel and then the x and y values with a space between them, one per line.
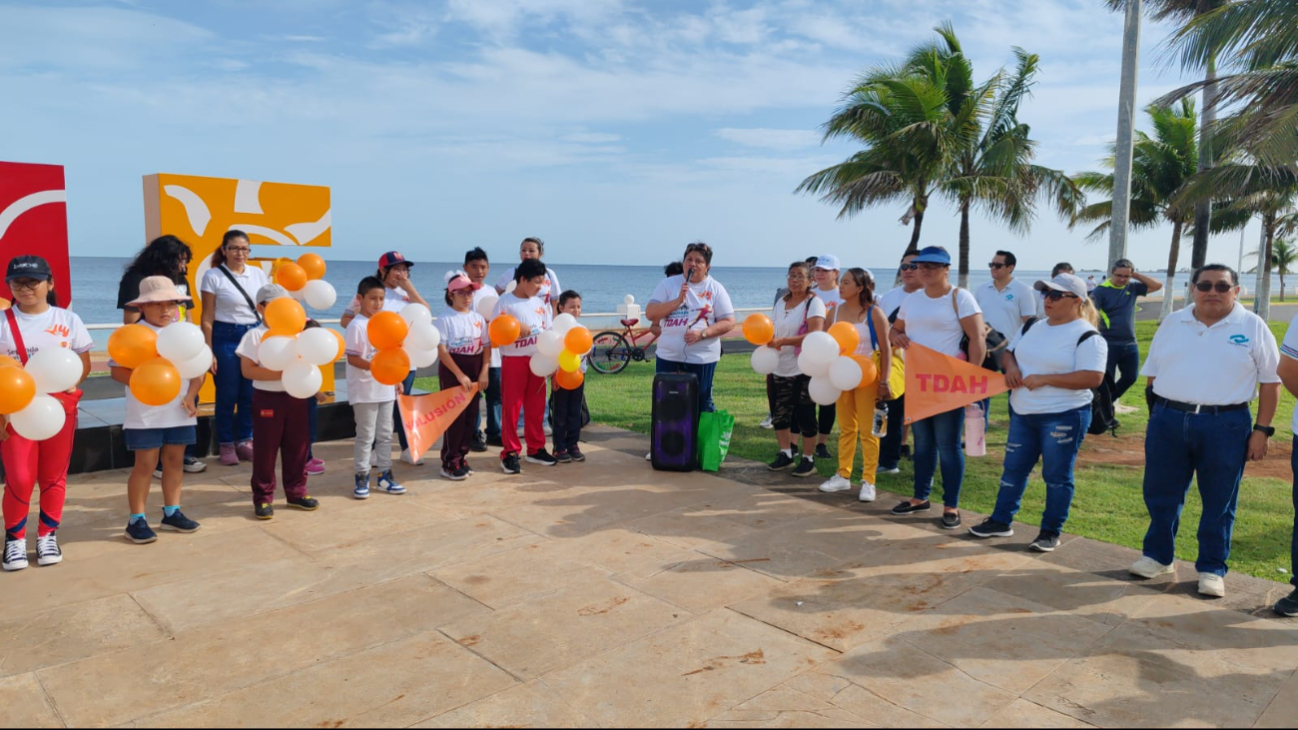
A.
pixel 794 408
pixel 828 414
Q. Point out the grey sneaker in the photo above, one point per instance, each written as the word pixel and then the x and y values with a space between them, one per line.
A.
pixel 1046 542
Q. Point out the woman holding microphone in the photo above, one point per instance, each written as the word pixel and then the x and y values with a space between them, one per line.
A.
pixel 694 312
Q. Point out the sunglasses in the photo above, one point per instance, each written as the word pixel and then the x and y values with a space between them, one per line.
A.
pixel 909 267
pixel 1206 286
pixel 1055 296
pixel 997 266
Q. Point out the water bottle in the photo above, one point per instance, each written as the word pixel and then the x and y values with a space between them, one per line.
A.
pixel 881 420
pixel 975 433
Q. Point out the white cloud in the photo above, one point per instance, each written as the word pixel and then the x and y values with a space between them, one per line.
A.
pixel 776 139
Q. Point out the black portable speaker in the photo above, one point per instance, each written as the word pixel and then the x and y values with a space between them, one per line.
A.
pixel 675 433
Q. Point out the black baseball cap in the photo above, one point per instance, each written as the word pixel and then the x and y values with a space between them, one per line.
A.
pixel 28 267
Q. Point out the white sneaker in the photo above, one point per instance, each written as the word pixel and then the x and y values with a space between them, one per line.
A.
pixel 1147 567
pixel 766 423
pixel 867 491
pixel 15 554
pixel 894 470
pixel 407 458
pixel 1211 584
pixel 836 483
pixel 649 456
pixel 47 550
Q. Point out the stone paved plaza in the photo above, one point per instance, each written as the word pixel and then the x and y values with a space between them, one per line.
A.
pixel 607 594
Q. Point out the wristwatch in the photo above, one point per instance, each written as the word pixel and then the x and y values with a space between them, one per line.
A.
pixel 1268 430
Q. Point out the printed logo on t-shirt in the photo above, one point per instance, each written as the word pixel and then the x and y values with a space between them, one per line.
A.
pixel 540 311
pixel 59 330
pixel 1009 297
pixel 1239 340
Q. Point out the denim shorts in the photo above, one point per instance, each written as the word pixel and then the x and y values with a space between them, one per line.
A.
pixel 146 439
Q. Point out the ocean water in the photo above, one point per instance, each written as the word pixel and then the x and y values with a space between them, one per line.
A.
pixel 603 288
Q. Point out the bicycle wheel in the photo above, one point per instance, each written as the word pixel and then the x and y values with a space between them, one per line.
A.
pixel 610 353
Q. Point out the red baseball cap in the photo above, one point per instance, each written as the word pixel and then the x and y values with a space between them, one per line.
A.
pixel 392 258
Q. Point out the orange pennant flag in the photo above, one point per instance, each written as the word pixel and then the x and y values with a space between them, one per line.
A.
pixel 937 383
pixel 427 417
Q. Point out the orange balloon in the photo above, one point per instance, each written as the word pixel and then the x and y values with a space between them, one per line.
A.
pixel 846 336
pixel 758 329
pixel 569 380
pixel 291 276
pixel 387 330
pixel 504 330
pixel 578 341
pixel 285 317
pixel 133 345
pixel 313 265
pixel 342 345
pixel 9 362
pixel 390 366
pixel 17 389
pixel 156 382
pixel 869 371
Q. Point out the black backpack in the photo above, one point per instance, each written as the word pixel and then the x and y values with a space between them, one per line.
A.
pixel 996 342
pixel 1103 415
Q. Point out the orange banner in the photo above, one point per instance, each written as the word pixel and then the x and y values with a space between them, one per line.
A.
pixel 937 383
pixel 428 416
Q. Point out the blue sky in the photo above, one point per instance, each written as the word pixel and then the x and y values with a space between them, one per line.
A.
pixel 616 130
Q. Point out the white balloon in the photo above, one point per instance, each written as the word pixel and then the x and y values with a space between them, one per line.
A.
pixel 823 392
pixel 277 353
pixel 765 360
pixel 55 369
pixel 486 305
pixel 415 313
pixel 809 366
pixel 512 285
pixel 43 418
pixel 420 358
pixel 302 380
pixel 180 341
pixel 299 295
pixel 563 323
pixel 542 366
pixel 550 343
pixel 845 373
pixel 423 335
pixel 317 346
pixel 195 366
pixel 822 346
pixel 319 294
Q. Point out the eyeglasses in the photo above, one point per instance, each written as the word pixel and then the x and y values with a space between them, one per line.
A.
pixel 1055 296
pixel 908 267
pixel 24 284
pixel 700 247
pixel 930 266
pixel 237 249
pixel 1221 286
pixel 997 266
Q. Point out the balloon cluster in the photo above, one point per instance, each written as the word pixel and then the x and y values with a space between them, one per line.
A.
pixel 296 352
pixel 826 356
pixel 304 280
pixel 559 350
pixel 161 361
pixel 24 391
pixel 404 341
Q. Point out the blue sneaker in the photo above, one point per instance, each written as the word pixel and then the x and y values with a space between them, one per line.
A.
pixel 178 522
pixel 389 484
pixel 140 533
pixel 362 490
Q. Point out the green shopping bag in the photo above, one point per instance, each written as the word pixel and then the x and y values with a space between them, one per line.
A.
pixel 714 439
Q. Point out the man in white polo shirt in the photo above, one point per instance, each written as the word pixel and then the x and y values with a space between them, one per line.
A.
pixel 1205 366
pixel 1006 303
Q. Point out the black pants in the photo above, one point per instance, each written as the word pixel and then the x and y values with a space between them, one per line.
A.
pixel 828 414
pixel 890 444
pixel 565 417
pixel 459 437
pixel 794 409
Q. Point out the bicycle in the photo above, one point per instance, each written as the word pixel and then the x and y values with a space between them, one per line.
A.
pixel 613 350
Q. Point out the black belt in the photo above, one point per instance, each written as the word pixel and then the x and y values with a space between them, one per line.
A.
pixel 1196 408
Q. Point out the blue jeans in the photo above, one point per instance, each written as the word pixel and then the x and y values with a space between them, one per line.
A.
pixel 703 372
pixel 407 385
pixel 934 436
pixel 1124 357
pixel 1055 438
pixel 1210 448
pixel 492 397
pixel 1293 543
pixel 232 389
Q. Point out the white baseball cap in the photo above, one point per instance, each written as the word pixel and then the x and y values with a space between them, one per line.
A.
pixel 828 262
pixel 1064 283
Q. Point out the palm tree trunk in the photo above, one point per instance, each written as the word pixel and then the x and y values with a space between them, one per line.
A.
pixel 1203 210
pixel 1264 293
pixel 1169 292
pixel 917 222
pixel 964 243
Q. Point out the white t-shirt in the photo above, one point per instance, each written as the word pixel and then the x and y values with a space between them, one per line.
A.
pixel 1220 365
pixel 787 323
pixel 1289 348
pixel 478 296
pixel 1053 350
pixel 172 415
pixel 463 333
pixel 534 317
pixel 705 303
pixel 549 292
pixel 361 385
pixel 1004 310
pixel 55 327
pixel 891 302
pixel 231 307
pixel 831 298
pixel 933 322
pixel 248 347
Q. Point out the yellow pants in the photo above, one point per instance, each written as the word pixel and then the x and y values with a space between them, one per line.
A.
pixel 856 419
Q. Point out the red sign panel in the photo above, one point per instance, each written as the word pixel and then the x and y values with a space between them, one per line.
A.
pixel 34 220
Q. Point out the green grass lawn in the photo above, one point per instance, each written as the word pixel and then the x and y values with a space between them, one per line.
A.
pixel 1108 505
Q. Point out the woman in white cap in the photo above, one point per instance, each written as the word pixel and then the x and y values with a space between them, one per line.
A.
pixel 826 271
pixel 1052 365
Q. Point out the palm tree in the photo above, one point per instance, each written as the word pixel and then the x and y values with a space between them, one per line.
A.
pixel 1284 254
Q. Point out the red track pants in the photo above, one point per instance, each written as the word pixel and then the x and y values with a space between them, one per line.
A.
pixel 521 390
pixel 29 462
